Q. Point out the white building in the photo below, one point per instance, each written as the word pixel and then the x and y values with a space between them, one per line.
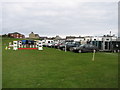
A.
pixel 103 42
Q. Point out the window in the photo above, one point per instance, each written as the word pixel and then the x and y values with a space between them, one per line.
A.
pixel 82 45
pixel 86 46
pixel 90 45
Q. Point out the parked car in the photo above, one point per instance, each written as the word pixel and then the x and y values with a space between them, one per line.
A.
pixel 69 45
pixel 55 45
pixel 84 48
pixel 61 45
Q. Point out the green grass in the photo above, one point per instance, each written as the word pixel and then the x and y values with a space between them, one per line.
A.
pixel 52 68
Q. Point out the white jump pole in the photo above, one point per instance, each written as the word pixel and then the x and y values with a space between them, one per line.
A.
pixel 40 45
pixel 15 45
pixel 33 46
pixel 30 46
pixel 25 46
pixel 22 46
pixel 93 58
pixel 19 44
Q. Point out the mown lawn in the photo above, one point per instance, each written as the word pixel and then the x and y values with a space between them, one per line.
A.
pixel 52 68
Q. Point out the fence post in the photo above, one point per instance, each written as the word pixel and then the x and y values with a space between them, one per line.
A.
pixel 93 58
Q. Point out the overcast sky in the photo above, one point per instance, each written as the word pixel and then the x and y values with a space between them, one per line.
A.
pixel 51 17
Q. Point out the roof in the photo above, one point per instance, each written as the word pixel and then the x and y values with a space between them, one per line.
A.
pixel 43 37
pixel 57 37
pixel 70 36
pixel 36 35
pixel 15 33
pixel 73 37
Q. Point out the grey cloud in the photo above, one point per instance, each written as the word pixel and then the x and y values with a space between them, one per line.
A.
pixel 53 19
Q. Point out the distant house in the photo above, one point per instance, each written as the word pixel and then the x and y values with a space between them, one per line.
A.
pixel 73 38
pixel 32 35
pixel 16 35
pixel 88 38
pixel 43 38
pixel 56 38
pixel 70 38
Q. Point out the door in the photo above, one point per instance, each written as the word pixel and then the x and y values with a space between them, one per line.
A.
pixel 86 48
pixel 107 45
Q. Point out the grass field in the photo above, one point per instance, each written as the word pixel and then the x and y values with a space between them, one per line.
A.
pixel 52 68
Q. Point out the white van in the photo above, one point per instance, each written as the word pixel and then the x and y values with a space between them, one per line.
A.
pixel 48 43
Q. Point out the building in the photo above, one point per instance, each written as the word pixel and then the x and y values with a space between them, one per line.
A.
pixel 43 38
pixel 56 38
pixel 97 41
pixel 76 39
pixel 116 44
pixel 16 35
pixel 32 35
pixel 88 39
pixel 70 38
pixel 106 42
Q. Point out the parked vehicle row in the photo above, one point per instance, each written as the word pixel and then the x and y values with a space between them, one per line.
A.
pixel 84 48
pixel 72 46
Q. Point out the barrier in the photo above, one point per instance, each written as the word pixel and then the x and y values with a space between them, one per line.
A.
pixel 27 48
pixel 21 45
